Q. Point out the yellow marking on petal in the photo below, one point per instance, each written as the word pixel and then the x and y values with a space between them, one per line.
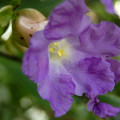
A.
pixel 50 49
pixel 61 53
pixel 55 43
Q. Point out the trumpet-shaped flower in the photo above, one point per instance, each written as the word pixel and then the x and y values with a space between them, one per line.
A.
pixel 68 57
pixel 43 61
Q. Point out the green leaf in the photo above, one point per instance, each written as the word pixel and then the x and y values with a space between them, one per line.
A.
pixel 117 58
pixel 15 3
pixel 5 16
pixel 110 99
pixel 3 3
pixel 44 6
pixel 83 114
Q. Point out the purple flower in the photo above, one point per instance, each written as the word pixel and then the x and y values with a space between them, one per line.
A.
pixel 109 5
pixel 99 41
pixel 102 109
pixel 70 56
pixel 44 61
pixel 103 40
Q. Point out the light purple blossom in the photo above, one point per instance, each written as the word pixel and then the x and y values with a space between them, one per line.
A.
pixel 99 40
pixel 70 56
pixel 103 110
pixel 43 61
pixel 109 5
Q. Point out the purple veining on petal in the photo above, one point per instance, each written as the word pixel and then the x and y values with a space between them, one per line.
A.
pixel 100 40
pixel 58 89
pixel 36 59
pixel 109 5
pixel 115 67
pixel 102 109
pixel 91 76
pixel 35 64
pixel 67 19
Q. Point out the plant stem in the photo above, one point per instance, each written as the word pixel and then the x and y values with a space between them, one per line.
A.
pixel 10 57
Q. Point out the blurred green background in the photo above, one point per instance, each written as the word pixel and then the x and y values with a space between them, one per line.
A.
pixel 19 99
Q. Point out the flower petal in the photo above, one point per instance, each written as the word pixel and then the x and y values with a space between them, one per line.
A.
pixel 102 109
pixel 67 19
pixel 91 76
pixel 109 5
pixel 115 67
pixel 35 61
pixel 38 41
pixel 101 39
pixel 58 89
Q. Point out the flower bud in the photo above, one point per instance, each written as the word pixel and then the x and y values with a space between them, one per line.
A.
pixel 28 21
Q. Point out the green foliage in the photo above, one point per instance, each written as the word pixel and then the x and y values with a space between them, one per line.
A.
pixel 44 6
pixel 3 3
pixel 5 16
pixel 83 114
pixel 15 3
pixel 110 99
pixel 18 86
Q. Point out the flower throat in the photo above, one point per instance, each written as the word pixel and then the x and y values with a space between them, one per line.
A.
pixel 56 50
